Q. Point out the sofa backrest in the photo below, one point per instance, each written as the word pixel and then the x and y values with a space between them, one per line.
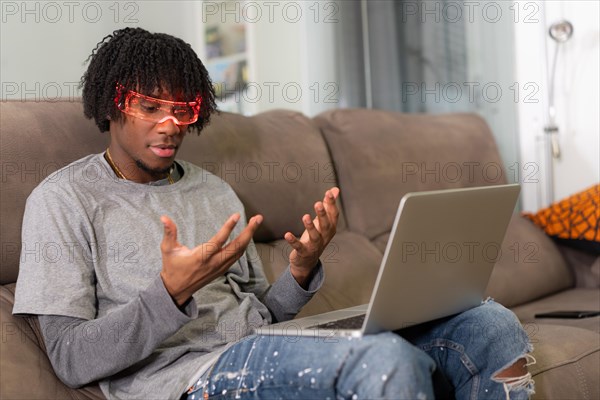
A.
pixel 280 163
pixel 37 139
pixel 381 155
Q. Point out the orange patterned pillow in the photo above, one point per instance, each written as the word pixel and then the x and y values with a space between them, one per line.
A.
pixel 574 220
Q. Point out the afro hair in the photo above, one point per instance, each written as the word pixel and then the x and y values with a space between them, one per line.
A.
pixel 147 63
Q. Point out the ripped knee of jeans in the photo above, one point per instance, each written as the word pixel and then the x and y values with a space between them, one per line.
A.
pixel 517 383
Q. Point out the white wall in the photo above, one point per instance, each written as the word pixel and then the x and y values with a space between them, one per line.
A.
pixel 275 64
pixel 292 56
pixel 576 100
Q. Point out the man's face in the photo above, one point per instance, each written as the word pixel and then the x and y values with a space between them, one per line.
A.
pixel 143 150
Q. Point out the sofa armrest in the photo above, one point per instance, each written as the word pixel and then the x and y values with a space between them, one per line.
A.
pixel 25 370
pixel 529 267
pixel 585 266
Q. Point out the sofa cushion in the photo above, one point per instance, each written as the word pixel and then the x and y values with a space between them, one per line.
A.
pixel 585 266
pixel 379 156
pixel 568 362
pixel 277 162
pixel 573 299
pixel 529 267
pixel 37 139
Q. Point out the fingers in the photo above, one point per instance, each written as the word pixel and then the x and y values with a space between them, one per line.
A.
pixel 223 234
pixel 322 217
pixel 334 191
pixel 293 241
pixel 330 205
pixel 327 212
pixel 311 229
pixel 169 241
pixel 237 247
pixel 249 230
pixel 311 232
pixel 215 244
pixel 246 235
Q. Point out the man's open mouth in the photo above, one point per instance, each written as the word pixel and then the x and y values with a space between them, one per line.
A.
pixel 164 151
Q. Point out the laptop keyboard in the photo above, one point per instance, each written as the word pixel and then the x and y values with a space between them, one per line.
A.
pixel 355 322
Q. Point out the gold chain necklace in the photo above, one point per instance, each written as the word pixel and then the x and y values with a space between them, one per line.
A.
pixel 121 175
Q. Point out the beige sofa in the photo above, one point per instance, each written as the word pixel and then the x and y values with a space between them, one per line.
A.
pixel 279 163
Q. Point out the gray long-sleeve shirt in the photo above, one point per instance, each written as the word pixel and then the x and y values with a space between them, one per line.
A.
pixel 90 265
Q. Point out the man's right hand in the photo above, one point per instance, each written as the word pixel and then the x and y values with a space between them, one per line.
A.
pixel 186 270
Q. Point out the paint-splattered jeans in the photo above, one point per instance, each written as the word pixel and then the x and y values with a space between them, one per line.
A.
pixel 468 349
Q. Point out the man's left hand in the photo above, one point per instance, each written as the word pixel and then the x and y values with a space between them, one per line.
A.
pixel 316 236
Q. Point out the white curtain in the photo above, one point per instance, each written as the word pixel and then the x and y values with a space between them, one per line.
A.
pixel 402 55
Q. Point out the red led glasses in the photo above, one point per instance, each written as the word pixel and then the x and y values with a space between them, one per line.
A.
pixel 156 110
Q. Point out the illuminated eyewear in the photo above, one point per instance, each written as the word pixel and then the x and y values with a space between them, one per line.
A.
pixel 156 110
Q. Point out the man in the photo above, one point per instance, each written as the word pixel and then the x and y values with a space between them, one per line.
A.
pixel 177 321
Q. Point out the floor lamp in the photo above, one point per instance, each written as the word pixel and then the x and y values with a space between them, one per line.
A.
pixel 560 32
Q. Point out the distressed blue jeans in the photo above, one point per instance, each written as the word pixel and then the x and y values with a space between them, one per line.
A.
pixel 467 350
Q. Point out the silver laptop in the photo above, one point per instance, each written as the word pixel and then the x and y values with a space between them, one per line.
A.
pixel 438 260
